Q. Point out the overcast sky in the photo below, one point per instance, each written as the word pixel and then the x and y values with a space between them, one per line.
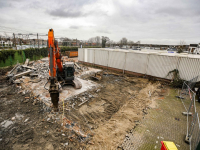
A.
pixel 148 21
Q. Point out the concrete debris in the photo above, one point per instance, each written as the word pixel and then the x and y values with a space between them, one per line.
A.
pixel 34 102
pixel 26 62
pixel 65 144
pixel 98 90
pixel 26 120
pixel 6 123
pixel 83 103
pixel 17 81
pixel 77 65
pixel 33 75
pixel 13 118
pixel 97 76
pixel 67 124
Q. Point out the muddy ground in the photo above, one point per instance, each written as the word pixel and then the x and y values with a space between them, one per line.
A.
pixel 108 114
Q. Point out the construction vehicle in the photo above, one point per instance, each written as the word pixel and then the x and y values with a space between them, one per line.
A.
pixel 60 73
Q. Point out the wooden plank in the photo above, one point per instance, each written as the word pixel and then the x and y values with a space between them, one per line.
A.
pixel 28 67
pixel 22 74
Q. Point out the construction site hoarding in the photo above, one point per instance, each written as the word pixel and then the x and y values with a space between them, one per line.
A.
pixel 81 55
pixel 101 57
pixel 135 62
pixel 157 64
pixel 116 59
pixel 188 68
pixel 161 66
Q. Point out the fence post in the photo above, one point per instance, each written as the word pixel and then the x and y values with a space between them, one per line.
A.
pixel 124 63
pixel 148 55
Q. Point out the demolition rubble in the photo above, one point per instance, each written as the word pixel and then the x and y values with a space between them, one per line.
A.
pixel 108 102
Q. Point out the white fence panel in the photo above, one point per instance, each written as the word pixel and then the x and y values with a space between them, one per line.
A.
pixel 90 55
pixel 101 57
pixel 189 68
pixel 160 66
pixel 81 54
pixel 116 59
pixel 136 62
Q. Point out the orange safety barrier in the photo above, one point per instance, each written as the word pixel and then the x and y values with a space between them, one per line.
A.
pixel 72 53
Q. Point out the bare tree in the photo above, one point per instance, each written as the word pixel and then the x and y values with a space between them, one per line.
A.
pixel 181 46
pixel 182 42
pixel 123 41
pixel 130 42
pixel 97 40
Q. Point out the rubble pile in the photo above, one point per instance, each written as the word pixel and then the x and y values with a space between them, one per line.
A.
pixel 33 76
pixel 38 69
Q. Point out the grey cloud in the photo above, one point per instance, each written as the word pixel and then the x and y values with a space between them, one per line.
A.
pixel 66 13
pixel 103 31
pixel 70 9
pixel 74 27
pixel 4 4
pixel 173 11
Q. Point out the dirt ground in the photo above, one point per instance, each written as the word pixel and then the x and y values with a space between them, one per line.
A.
pixel 101 122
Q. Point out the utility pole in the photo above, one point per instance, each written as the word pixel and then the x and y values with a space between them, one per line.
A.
pixel 76 41
pixel 14 41
pixel 20 42
pixel 38 40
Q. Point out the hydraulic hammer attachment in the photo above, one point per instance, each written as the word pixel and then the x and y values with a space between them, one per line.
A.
pixel 54 93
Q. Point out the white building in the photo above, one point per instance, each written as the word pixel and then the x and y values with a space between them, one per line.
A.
pixel 6 43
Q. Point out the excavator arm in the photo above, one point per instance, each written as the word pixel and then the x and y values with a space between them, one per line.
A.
pixel 54 64
pixel 59 71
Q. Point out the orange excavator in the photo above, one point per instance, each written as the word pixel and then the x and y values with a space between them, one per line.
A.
pixel 59 72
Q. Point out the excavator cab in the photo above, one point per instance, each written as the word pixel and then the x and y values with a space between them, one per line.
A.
pixel 67 75
pixel 69 71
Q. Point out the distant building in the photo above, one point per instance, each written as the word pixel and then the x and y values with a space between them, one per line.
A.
pixel 194 49
pixel 7 43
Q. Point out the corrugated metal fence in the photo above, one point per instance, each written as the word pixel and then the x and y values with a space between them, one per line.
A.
pixel 147 63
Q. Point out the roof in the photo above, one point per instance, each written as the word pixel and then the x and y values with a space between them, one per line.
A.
pixel 194 45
